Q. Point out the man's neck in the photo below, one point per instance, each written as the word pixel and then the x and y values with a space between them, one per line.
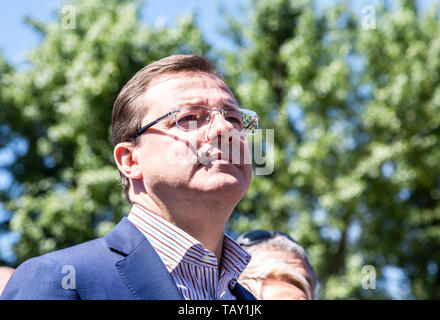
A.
pixel 203 224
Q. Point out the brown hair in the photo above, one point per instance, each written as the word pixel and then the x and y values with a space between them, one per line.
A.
pixel 127 113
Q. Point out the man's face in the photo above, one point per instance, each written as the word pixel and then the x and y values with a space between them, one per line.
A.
pixel 168 157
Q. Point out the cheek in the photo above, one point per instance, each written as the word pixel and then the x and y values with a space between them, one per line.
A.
pixel 181 154
pixel 169 153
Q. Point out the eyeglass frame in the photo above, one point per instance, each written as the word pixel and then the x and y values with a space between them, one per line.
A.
pixel 149 125
pixel 243 239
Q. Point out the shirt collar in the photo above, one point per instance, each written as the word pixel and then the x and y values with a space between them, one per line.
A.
pixel 175 246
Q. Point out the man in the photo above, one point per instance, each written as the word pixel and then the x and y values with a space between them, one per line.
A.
pixel 173 124
pixel 279 269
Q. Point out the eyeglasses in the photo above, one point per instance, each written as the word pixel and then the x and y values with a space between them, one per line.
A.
pixel 190 118
pixel 253 237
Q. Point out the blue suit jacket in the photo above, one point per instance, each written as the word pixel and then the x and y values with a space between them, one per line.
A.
pixel 121 265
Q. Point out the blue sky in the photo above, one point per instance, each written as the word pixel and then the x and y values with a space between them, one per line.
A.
pixel 17 37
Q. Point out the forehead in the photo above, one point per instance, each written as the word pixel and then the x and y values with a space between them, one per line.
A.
pixel 171 90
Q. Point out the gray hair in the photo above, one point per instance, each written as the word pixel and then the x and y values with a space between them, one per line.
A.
pixel 260 269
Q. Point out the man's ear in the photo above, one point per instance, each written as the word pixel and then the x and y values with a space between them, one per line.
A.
pixel 127 161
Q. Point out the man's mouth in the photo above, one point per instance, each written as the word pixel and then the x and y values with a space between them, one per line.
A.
pixel 205 158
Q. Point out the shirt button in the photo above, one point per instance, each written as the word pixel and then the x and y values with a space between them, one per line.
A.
pixel 205 258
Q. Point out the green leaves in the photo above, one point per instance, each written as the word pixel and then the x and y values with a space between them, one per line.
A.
pixel 362 155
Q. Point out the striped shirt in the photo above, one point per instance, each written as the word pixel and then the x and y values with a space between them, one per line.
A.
pixel 193 268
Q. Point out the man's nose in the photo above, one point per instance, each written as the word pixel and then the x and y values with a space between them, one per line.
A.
pixel 217 126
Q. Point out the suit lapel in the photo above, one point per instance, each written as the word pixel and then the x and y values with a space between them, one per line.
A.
pixel 141 268
pixel 146 275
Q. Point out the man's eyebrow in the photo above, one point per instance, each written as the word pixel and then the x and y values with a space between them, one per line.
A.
pixel 230 105
pixel 225 105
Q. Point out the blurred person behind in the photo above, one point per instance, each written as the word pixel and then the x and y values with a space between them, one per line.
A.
pixel 5 274
pixel 279 268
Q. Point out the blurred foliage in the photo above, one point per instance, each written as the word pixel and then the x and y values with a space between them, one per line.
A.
pixel 356 119
pixel 4 139
pixel 355 113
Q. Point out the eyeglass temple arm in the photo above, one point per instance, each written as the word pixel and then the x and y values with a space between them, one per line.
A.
pixel 141 130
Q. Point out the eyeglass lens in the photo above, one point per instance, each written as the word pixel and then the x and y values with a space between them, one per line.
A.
pixel 195 117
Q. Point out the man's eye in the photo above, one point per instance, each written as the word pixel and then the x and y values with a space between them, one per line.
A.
pixel 233 120
pixel 191 117
pixel 236 122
